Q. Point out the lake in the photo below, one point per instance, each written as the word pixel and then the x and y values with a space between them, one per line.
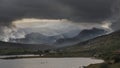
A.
pixel 48 62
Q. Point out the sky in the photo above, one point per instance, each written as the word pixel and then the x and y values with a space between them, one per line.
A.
pixel 82 14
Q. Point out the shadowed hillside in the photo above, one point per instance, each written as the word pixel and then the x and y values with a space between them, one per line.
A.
pixel 17 48
pixel 99 46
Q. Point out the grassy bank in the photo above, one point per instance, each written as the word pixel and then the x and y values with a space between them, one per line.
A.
pixel 104 65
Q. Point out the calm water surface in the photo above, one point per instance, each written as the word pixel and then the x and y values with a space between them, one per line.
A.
pixel 48 62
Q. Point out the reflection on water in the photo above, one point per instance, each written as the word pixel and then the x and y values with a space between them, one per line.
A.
pixel 48 63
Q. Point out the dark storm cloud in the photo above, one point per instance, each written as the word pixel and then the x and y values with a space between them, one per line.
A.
pixel 90 10
pixel 15 9
pixel 115 19
pixel 76 10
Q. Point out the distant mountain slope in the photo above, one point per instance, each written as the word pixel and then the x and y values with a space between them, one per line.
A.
pixel 101 45
pixel 37 38
pixel 82 36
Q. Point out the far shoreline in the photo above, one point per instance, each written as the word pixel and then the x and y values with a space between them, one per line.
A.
pixel 38 56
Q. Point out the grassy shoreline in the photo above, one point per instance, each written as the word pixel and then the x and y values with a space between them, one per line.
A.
pixel 23 57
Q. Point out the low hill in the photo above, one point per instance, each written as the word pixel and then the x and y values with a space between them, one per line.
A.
pixel 99 46
pixel 7 48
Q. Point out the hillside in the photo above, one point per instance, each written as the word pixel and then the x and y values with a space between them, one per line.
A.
pixel 99 46
pixel 7 48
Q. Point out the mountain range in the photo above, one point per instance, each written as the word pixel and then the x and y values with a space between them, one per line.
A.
pixel 60 40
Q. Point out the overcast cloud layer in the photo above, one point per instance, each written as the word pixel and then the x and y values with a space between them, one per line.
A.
pixel 90 11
